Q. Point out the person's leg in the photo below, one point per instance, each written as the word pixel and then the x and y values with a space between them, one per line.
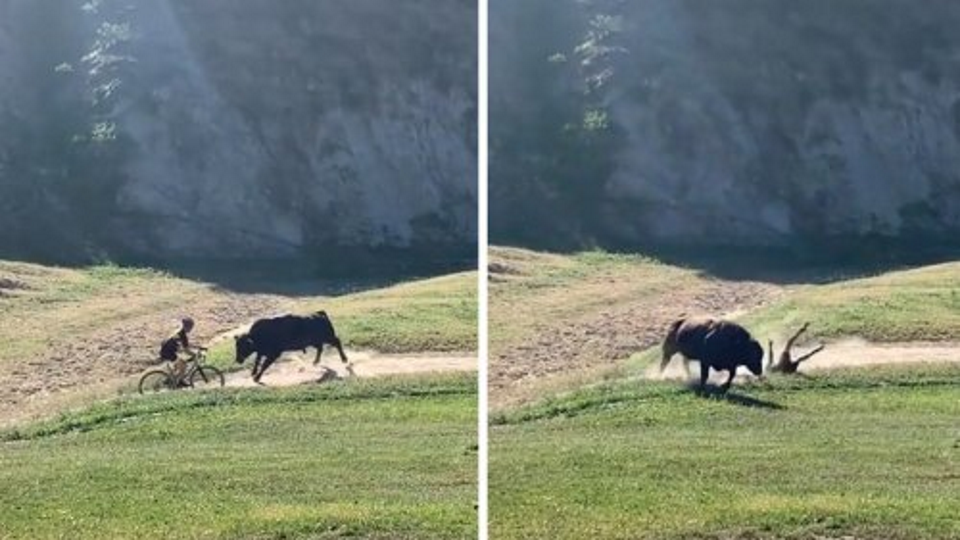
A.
pixel 179 368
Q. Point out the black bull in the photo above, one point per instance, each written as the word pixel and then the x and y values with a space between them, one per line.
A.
pixel 715 343
pixel 269 338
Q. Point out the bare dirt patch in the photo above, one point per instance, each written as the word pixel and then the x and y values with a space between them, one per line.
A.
pixel 298 369
pixel 859 353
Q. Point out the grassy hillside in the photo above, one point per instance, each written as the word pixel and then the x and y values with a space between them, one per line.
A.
pixel 849 453
pixel 43 303
pixel 921 304
pixel 385 459
pixel 530 290
pixel 864 454
pixel 438 314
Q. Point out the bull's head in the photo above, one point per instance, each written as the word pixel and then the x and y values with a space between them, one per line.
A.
pixel 754 359
pixel 245 347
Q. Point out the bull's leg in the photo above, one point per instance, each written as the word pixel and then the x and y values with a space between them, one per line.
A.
pixel 669 349
pixel 733 373
pixel 704 374
pixel 316 360
pixel 256 366
pixel 336 343
pixel 263 367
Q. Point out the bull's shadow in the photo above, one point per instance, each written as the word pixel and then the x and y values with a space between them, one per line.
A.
pixel 731 396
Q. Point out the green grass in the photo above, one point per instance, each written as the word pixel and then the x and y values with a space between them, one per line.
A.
pixel 869 454
pixel 922 304
pixel 376 459
pixel 438 314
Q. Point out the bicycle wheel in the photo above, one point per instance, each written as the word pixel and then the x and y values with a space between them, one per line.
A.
pixel 156 380
pixel 206 377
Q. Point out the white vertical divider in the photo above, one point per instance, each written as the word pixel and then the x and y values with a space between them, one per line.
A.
pixel 482 243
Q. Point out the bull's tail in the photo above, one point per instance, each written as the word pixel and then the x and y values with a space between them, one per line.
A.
pixel 670 343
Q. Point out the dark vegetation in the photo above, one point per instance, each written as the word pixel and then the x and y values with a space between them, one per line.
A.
pixel 79 68
pixel 556 137
pixel 63 166
pixel 548 159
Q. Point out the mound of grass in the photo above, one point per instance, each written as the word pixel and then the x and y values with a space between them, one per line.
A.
pixel 43 286
pixel 866 454
pixel 389 458
pixel 438 314
pixel 47 300
pixel 921 304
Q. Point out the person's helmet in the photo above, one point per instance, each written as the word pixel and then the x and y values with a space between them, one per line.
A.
pixel 187 322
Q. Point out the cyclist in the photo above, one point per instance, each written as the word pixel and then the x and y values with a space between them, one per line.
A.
pixel 173 346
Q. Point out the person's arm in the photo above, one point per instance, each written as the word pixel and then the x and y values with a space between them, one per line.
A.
pixel 185 344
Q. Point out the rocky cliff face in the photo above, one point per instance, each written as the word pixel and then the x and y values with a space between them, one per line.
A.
pixel 239 128
pixel 750 122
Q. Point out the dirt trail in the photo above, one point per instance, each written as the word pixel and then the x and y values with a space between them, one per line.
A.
pixel 858 352
pixel 291 370
pixel 297 369
pixel 845 353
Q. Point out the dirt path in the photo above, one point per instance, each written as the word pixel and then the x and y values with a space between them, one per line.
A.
pixel 603 339
pixel 297 370
pixel 291 370
pixel 843 354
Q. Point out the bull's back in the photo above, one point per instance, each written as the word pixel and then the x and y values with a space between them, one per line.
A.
pixel 690 336
pixel 290 332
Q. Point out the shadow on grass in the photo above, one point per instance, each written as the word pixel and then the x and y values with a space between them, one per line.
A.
pixel 735 398
pixel 744 400
pixel 341 271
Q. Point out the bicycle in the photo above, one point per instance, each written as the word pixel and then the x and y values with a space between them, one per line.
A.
pixel 197 375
